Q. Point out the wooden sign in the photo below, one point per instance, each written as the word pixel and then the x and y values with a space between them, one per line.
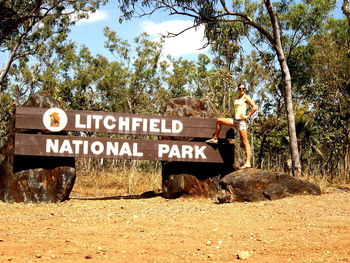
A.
pixel 56 120
pixel 102 147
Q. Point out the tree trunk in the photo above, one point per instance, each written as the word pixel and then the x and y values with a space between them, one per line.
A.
pixel 13 55
pixel 346 10
pixel 347 158
pixel 261 153
pixel 8 64
pixel 290 117
pixel 287 85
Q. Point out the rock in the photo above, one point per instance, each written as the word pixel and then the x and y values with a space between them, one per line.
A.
pixel 257 185
pixel 190 107
pixel 34 178
pixel 224 197
pixel 243 255
pixel 191 179
pixel 199 179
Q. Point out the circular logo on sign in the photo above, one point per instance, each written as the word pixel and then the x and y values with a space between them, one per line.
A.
pixel 55 119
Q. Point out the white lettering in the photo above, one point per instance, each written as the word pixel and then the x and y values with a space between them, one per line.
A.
pixel 176 126
pixel 199 152
pixel 107 125
pixel 97 119
pixel 187 150
pixel 135 150
pixel 124 123
pixel 125 149
pixel 85 147
pixel 77 144
pixel 153 123
pixel 144 127
pixel 112 148
pixel 66 147
pixel 77 122
pixel 97 147
pixel 135 123
pixel 174 151
pixel 162 149
pixel 88 121
pixel 110 122
pixel 163 126
pixel 51 145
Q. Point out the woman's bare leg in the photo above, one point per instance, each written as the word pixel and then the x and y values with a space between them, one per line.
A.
pixel 219 123
pixel 244 137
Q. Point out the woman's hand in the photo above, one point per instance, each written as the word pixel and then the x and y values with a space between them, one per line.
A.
pixel 244 117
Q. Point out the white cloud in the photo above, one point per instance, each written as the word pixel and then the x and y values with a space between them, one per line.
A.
pixel 189 42
pixel 99 15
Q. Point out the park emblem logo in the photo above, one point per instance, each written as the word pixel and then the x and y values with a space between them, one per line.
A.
pixel 55 119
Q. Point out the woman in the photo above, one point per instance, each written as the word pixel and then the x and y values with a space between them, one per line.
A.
pixel 239 122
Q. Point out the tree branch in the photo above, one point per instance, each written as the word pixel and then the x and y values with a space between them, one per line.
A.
pixel 25 18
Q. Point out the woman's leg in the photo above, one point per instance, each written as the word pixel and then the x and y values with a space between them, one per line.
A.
pixel 219 122
pixel 244 137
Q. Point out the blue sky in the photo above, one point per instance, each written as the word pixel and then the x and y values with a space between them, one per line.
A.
pixel 188 45
pixel 89 32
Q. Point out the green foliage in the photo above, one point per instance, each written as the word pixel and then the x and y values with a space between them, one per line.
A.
pixel 28 24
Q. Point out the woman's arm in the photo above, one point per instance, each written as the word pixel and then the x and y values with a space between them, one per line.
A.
pixel 252 104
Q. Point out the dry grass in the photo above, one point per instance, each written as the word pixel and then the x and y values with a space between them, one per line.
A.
pixel 327 182
pixel 126 180
pixel 117 181
pixel 322 182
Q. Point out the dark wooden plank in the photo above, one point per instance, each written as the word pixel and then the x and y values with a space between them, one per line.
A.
pixel 102 147
pixel 121 123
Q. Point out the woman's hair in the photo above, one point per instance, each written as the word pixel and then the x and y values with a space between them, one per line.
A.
pixel 241 84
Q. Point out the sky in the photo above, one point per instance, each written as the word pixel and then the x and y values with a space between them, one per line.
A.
pixel 89 32
pixel 188 45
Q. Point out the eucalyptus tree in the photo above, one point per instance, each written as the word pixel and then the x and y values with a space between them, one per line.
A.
pixel 346 10
pixel 324 92
pixel 278 26
pixel 180 79
pixel 27 24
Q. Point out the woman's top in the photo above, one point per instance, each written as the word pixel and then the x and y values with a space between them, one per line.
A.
pixel 240 107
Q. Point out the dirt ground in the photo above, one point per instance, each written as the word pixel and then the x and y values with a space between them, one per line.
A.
pixel 294 229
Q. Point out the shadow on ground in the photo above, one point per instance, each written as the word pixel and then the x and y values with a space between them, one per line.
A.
pixel 145 195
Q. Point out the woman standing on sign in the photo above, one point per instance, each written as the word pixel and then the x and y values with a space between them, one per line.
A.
pixel 239 122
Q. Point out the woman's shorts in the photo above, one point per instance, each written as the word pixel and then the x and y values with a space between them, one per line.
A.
pixel 241 125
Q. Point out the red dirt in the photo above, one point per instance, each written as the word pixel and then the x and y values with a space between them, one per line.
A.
pixel 295 229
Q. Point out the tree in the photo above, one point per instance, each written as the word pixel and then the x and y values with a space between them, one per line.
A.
pixel 326 92
pixel 268 20
pixel 27 24
pixel 346 10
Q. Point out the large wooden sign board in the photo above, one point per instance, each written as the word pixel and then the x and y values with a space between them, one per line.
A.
pixel 51 121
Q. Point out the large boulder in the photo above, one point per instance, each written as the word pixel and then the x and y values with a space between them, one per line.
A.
pixel 191 107
pixel 258 185
pixel 199 179
pixel 34 178
pixel 192 179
